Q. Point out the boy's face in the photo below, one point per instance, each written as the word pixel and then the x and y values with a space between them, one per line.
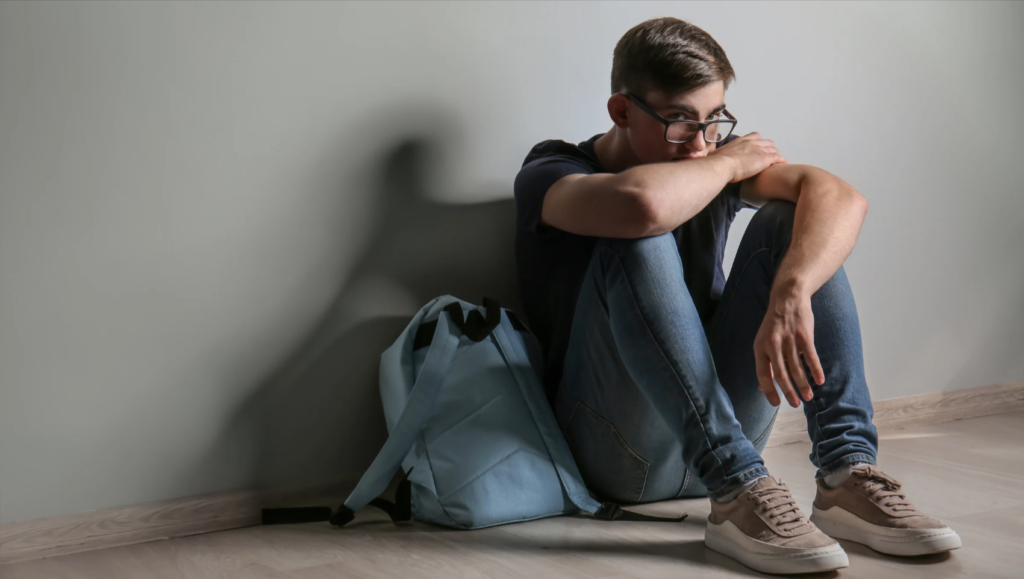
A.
pixel 647 134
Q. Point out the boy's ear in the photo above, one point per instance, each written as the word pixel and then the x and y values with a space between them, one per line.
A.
pixel 618 110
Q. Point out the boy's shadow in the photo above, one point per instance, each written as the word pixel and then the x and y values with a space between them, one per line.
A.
pixel 318 420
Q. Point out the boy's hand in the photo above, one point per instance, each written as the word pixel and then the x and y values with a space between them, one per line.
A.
pixel 749 154
pixel 786 332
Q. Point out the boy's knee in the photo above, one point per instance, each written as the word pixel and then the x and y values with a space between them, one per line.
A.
pixel 655 247
pixel 774 220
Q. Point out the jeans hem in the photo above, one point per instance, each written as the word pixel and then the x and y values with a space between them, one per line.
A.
pixel 737 481
pixel 841 462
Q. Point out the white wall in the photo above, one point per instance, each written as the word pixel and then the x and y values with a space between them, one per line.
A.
pixel 213 216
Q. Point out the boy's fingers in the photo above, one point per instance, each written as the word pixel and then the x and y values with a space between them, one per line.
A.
pixel 796 370
pixel 782 377
pixel 811 355
pixel 764 380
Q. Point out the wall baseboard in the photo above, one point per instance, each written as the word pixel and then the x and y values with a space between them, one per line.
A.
pixel 119 526
pixel 897 413
pixel 62 535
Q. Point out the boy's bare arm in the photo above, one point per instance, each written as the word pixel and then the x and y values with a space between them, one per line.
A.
pixel 827 220
pixel 673 192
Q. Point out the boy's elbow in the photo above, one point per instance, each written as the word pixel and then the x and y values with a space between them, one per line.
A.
pixel 647 215
pixel 656 224
pixel 861 202
pixel 646 210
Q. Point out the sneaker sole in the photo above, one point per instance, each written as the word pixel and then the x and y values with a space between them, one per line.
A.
pixel 839 523
pixel 730 541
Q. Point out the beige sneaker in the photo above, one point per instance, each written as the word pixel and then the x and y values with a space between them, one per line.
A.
pixel 869 508
pixel 764 529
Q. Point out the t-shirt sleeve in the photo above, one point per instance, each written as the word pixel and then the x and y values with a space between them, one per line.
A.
pixel 533 182
pixel 731 192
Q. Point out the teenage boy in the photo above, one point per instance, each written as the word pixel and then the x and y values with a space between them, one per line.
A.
pixel 654 361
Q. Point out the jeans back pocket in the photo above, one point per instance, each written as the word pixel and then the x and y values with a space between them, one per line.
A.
pixel 608 465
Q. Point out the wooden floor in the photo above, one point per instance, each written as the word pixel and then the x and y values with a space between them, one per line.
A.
pixel 969 473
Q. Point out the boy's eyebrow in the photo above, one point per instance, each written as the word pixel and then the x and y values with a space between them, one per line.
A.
pixel 691 110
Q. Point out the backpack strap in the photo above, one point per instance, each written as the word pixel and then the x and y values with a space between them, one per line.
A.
pixel 555 443
pixel 543 416
pixel 417 410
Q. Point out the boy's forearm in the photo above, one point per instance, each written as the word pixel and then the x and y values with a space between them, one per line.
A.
pixel 828 218
pixel 675 191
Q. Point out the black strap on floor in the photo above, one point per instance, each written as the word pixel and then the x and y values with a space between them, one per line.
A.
pixel 295 515
pixel 614 512
pixel 399 510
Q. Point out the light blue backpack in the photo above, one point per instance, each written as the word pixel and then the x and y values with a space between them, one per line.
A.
pixel 470 426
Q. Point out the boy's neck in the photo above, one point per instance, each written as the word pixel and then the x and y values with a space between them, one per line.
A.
pixel 613 151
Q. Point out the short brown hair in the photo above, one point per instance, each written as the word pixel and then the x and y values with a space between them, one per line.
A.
pixel 670 55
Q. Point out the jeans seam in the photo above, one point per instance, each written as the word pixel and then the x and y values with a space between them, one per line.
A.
pixel 821 434
pixel 689 398
pixel 767 428
pixel 686 479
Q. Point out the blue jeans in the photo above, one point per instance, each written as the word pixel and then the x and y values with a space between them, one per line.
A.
pixel 655 406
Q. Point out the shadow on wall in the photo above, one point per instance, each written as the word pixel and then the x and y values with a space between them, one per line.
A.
pixel 318 419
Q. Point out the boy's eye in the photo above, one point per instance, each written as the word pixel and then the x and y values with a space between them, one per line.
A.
pixel 682 117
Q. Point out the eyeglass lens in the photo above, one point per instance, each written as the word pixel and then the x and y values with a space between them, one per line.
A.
pixel 716 132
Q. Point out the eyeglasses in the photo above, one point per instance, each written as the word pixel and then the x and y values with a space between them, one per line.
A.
pixel 682 131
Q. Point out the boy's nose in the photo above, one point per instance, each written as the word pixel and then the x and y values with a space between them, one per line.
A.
pixel 696 144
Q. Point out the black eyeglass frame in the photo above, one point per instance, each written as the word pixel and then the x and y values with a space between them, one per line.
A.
pixel 702 127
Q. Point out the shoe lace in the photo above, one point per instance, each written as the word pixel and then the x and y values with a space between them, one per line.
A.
pixel 882 488
pixel 779 505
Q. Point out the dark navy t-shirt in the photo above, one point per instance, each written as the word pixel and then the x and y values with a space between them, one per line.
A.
pixel 553 262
